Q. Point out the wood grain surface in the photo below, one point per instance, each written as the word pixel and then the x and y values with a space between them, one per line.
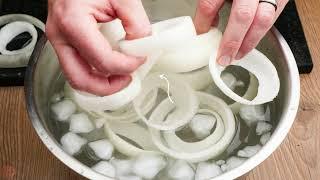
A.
pixel 23 156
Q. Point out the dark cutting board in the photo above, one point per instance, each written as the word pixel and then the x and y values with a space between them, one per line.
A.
pixel 288 24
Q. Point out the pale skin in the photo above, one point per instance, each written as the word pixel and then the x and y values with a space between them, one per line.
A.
pixel 90 64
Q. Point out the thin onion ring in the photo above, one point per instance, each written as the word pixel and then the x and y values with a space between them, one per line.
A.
pixel 212 151
pixel 259 65
pixel 178 144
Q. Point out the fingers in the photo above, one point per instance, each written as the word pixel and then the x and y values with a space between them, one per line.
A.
pixel 133 17
pixel 206 12
pixel 263 21
pixel 241 18
pixel 81 76
pixel 83 33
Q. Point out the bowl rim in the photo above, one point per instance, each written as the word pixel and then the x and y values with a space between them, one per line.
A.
pixel 276 139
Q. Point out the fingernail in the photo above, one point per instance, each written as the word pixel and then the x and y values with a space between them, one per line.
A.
pixel 224 60
pixel 239 55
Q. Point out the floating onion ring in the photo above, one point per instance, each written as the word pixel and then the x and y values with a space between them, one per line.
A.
pixel 94 103
pixel 166 35
pixel 260 66
pixel 249 94
pixel 184 106
pixel 190 55
pixel 21 57
pixel 197 79
pixel 133 132
pixel 212 151
pixel 128 114
pixel 178 144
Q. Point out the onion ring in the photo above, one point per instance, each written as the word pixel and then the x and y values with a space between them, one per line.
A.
pixel 135 133
pixel 94 103
pixel 113 31
pixel 249 94
pixel 21 59
pixel 186 108
pixel 166 35
pixel 259 65
pixel 197 79
pixel 190 55
pixel 178 144
pixel 212 151
pixel 129 115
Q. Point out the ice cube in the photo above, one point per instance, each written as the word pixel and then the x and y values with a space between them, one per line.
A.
pixel 80 123
pixel 201 125
pixel 63 110
pixel 102 148
pixel 265 138
pixel 105 168
pixel 72 143
pixel 232 163
pixel 249 151
pixel 180 170
pixel 252 114
pixel 123 167
pixel 207 170
pixel 148 165
pixel 263 127
pixel 129 177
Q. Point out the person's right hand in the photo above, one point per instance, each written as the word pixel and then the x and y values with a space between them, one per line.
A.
pixel 86 58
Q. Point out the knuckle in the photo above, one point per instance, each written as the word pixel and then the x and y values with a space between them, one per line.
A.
pixel 208 7
pixel 264 19
pixel 244 14
pixel 232 45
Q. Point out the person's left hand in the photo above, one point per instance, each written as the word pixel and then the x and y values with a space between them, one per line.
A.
pixel 249 21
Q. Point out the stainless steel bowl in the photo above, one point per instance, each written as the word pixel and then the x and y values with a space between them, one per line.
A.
pixel 44 69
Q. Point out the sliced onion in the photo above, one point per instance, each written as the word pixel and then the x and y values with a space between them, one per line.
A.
pixel 113 31
pixel 21 58
pixel 178 144
pixel 166 35
pixel 197 79
pixel 94 103
pixel 184 98
pixel 260 66
pixel 249 94
pixel 135 133
pixel 212 151
pixel 128 114
pixel 192 54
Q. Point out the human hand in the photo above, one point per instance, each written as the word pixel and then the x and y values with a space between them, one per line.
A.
pixel 249 21
pixel 86 58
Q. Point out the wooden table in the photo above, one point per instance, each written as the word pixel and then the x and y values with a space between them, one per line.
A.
pixel 23 156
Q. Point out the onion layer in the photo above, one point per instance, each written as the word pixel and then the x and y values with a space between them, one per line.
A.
pixel 133 132
pixel 20 58
pixel 185 108
pixel 197 79
pixel 259 65
pixel 190 55
pixel 212 103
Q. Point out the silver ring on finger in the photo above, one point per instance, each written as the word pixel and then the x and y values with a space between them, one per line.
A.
pixel 272 2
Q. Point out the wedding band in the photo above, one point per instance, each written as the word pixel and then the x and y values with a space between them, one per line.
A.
pixel 272 2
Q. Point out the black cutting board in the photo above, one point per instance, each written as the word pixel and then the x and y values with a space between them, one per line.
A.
pixel 288 24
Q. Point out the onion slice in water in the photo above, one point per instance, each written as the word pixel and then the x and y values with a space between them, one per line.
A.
pixel 192 54
pixel 128 114
pixel 197 79
pixel 133 132
pixel 257 64
pixel 184 105
pixel 178 144
pixel 212 151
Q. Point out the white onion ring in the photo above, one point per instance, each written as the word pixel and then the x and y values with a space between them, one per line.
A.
pixel 197 79
pixel 186 107
pixel 113 31
pixel 192 54
pixel 166 35
pixel 132 131
pixel 94 103
pixel 249 94
pixel 18 60
pixel 11 30
pixel 129 115
pixel 212 151
pixel 178 144
pixel 259 65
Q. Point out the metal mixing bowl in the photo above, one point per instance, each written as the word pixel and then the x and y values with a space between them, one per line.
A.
pixel 44 69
